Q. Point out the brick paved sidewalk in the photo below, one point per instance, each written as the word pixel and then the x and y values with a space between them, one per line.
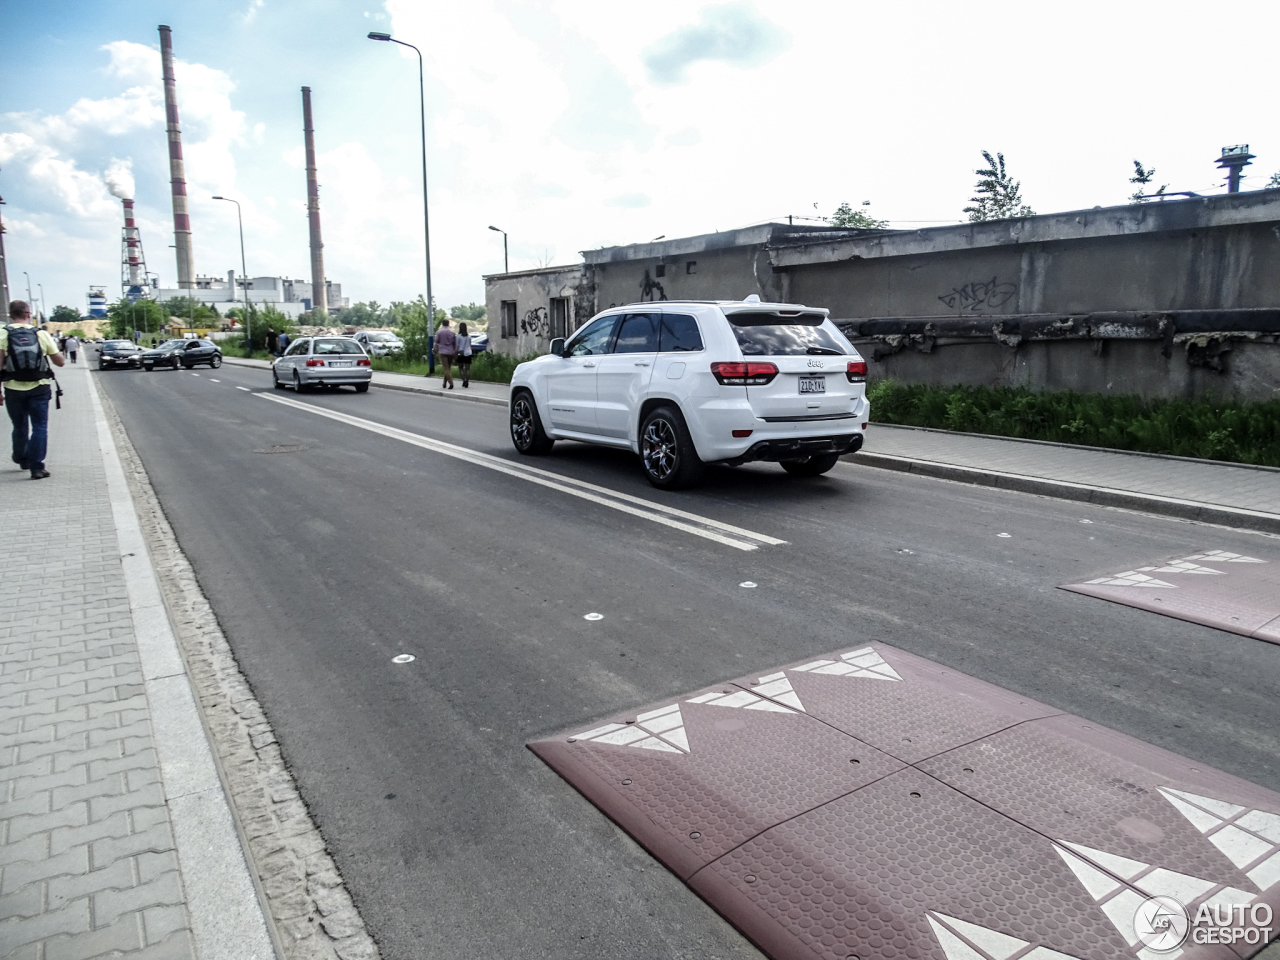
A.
pixel 115 836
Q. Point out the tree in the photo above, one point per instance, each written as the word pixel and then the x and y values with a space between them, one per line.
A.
pixel 191 310
pixel 126 316
pixel 1142 176
pixel 63 314
pixel 1274 181
pixel 359 315
pixel 413 328
pixel 846 216
pixel 999 196
pixel 470 313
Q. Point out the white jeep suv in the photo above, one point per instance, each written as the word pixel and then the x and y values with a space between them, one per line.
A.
pixel 687 383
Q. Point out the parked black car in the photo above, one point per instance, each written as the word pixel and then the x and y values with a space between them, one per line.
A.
pixel 119 353
pixel 182 353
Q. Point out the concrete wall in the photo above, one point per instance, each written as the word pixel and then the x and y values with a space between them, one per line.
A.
pixel 532 292
pixel 1102 366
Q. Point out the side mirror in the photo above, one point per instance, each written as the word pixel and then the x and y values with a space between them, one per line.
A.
pixel 557 347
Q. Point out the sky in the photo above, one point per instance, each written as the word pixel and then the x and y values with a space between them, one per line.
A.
pixel 575 124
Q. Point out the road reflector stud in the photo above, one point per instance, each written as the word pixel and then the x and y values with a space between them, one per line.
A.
pixel 1005 535
pixel 1044 848
pixel 403 658
pixel 748 584
pixel 594 616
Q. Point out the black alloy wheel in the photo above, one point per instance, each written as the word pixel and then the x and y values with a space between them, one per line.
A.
pixel 216 361
pixel 526 427
pixel 666 450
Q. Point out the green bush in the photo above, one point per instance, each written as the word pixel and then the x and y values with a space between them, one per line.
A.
pixel 1238 432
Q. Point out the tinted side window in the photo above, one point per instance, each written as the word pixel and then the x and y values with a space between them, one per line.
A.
pixel 679 333
pixel 297 348
pixel 638 334
pixel 594 340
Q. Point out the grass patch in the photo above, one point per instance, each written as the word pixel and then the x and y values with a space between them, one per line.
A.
pixel 486 367
pixel 1209 429
pixel 236 348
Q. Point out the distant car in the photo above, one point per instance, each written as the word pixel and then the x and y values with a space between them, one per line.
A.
pixel 119 353
pixel 378 343
pixel 182 353
pixel 325 362
pixel 479 343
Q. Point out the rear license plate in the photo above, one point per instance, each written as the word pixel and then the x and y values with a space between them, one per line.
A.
pixel 813 384
pixel 342 363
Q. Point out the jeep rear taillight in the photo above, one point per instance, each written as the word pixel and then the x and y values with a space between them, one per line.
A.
pixel 749 374
pixel 857 371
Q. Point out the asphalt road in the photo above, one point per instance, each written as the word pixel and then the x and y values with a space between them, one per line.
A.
pixel 325 562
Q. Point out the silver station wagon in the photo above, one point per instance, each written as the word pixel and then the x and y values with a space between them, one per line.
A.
pixel 324 362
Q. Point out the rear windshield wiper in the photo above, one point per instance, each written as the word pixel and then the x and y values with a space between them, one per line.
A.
pixel 823 352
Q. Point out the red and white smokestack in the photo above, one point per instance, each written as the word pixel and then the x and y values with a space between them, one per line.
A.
pixel 177 175
pixel 133 245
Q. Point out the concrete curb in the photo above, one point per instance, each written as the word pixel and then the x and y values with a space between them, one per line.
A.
pixel 404 388
pixel 1063 490
pixel 228 920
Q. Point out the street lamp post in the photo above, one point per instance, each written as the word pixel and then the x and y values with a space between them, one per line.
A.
pixel 426 225
pixel 505 268
pixel 43 312
pixel 29 297
pixel 248 330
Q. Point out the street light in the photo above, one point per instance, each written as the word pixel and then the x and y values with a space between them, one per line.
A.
pixel 426 226
pixel 505 268
pixel 248 330
pixel 43 312
pixel 29 297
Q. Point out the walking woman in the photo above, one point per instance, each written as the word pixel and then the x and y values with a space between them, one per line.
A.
pixel 447 348
pixel 464 354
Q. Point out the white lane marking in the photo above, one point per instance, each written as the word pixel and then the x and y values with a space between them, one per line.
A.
pixel 749 584
pixel 403 658
pixel 212 380
pixel 656 512
pixel 245 389
pixel 594 616
pixel 195 374
pixel 1004 535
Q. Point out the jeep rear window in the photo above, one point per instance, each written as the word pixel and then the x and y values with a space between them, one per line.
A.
pixel 775 335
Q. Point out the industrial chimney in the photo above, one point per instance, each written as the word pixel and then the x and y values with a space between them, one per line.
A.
pixel 177 176
pixel 133 279
pixel 319 295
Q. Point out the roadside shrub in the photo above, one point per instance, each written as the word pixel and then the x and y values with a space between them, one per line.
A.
pixel 487 367
pixel 1209 429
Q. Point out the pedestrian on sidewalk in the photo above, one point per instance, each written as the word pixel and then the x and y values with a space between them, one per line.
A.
pixel 464 354
pixel 273 342
pixel 447 348
pixel 73 347
pixel 283 343
pixel 28 382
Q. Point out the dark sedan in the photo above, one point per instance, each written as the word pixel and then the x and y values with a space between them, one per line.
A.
pixel 119 353
pixel 182 353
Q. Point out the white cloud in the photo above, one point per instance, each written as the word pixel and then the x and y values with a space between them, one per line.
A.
pixel 733 33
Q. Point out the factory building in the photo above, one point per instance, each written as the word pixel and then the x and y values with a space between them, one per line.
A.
pixel 290 297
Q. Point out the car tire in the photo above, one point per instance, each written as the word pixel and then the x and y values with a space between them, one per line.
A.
pixel 216 362
pixel 362 388
pixel 527 434
pixel 276 380
pixel 148 367
pixel 101 365
pixel 811 466
pixel 297 383
pixel 667 453
pixel 174 364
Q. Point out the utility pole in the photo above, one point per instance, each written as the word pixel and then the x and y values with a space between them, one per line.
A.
pixel 4 274
pixel 319 295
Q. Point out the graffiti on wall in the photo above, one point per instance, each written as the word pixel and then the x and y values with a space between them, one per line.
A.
pixel 537 322
pixel 975 296
pixel 651 289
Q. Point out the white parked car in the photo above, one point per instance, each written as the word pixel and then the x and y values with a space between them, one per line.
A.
pixel 687 383
pixel 378 343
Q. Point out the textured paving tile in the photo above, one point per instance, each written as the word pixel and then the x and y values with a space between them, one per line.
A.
pixel 82 814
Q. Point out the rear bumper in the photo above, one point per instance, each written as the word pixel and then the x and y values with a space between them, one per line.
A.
pixel 340 375
pixel 777 450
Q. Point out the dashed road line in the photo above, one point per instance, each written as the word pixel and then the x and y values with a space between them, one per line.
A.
pixel 212 380
pixel 245 389
pixel 725 533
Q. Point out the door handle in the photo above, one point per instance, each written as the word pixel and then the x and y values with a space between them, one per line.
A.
pixel 588 364
pixel 639 364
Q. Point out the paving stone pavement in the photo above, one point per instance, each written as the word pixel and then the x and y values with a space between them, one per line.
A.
pixel 90 858
pixel 1211 482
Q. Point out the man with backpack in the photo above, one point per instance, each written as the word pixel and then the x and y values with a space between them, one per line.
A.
pixel 28 381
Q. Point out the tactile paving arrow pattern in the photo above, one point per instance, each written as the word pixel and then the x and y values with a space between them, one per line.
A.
pixel 870 804
pixel 1216 588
